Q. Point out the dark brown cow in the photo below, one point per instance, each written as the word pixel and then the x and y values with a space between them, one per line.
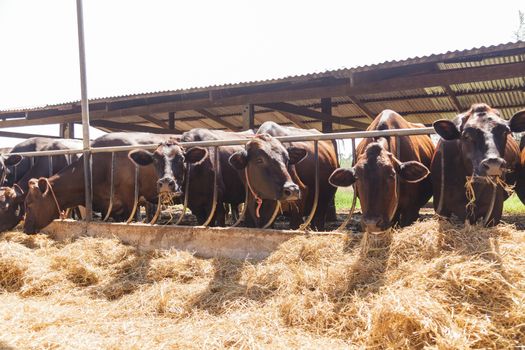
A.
pixel 378 171
pixel 68 185
pixel 477 144
pixel 520 173
pixel 285 173
pixel 12 198
pixel 171 161
pixel 7 162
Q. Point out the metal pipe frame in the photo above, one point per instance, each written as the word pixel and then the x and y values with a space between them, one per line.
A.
pixel 136 198
pixel 111 186
pixel 308 220
pixel 216 144
pixel 215 194
pixel 345 223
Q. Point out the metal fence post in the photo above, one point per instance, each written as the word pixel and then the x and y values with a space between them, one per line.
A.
pixel 88 184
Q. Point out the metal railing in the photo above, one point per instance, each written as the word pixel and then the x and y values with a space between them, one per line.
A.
pixel 216 144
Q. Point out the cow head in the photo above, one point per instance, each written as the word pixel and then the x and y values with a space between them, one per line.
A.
pixel 11 201
pixel 375 175
pixel 170 160
pixel 40 206
pixel 267 165
pixel 6 162
pixel 482 134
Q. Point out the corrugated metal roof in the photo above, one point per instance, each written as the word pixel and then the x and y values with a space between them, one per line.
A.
pixel 421 105
pixel 337 73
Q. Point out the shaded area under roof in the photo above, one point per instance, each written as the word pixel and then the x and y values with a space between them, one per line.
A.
pixel 422 89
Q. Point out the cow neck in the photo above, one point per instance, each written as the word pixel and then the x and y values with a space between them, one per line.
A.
pixel 68 186
pixel 258 199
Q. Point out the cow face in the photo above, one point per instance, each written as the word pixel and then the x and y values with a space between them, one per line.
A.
pixel 482 134
pixel 170 161
pixel 11 200
pixel 375 175
pixel 5 163
pixel 40 206
pixel 267 165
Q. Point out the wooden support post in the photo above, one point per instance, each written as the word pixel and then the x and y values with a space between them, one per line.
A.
pixel 67 130
pixel 171 120
pixel 248 117
pixel 326 108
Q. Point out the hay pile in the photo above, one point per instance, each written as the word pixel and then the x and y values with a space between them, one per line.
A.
pixel 428 285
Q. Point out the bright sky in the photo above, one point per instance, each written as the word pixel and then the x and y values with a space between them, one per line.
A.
pixel 150 45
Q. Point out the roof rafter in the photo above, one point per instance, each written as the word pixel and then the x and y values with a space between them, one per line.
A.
pixel 293 118
pixel 129 127
pixel 371 115
pixel 217 119
pixel 154 120
pixel 311 113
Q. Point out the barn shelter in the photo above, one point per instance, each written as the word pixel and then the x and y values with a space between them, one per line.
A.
pixel 422 89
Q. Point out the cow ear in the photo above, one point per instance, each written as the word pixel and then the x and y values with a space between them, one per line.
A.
pixel 446 129
pixel 13 160
pixel 412 171
pixel 296 154
pixel 342 177
pixel 43 185
pixel 239 160
pixel 141 157
pixel 196 154
pixel 18 191
pixel 517 122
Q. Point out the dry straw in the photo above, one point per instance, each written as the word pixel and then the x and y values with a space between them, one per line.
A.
pixel 432 285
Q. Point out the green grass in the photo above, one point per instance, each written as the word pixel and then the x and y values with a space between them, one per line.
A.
pixel 343 201
pixel 343 198
pixel 513 205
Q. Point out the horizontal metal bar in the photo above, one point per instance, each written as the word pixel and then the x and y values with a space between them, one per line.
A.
pixel 47 153
pixel 215 143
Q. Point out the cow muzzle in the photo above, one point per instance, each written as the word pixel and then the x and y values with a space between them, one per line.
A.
pixel 492 166
pixel 168 185
pixel 375 224
pixel 290 192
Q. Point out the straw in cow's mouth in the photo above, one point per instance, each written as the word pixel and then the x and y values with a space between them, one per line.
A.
pixel 493 180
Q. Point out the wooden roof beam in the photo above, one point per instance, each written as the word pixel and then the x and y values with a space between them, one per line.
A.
pixel 453 98
pixel 154 120
pixel 371 115
pixel 293 118
pixel 218 120
pixel 311 113
pixel 128 127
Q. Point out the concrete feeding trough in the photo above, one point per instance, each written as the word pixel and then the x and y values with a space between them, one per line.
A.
pixel 206 242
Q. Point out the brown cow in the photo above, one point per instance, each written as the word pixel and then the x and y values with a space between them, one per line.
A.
pixel 520 173
pixel 476 144
pixel 12 198
pixel 285 173
pixel 378 171
pixel 68 185
pixel 171 161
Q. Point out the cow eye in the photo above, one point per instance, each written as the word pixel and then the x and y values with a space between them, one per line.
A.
pixel 259 161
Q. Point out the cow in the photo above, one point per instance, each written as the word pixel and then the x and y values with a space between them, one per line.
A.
pixel 12 198
pixel 379 174
pixel 8 174
pixel 477 149
pixel 284 172
pixel 47 197
pixel 172 161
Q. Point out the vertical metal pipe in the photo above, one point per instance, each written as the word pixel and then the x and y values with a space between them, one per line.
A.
pixel 354 193
pixel 85 112
pixel 50 165
pixel 216 171
pixel 305 225
pixel 111 185
pixel 136 195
